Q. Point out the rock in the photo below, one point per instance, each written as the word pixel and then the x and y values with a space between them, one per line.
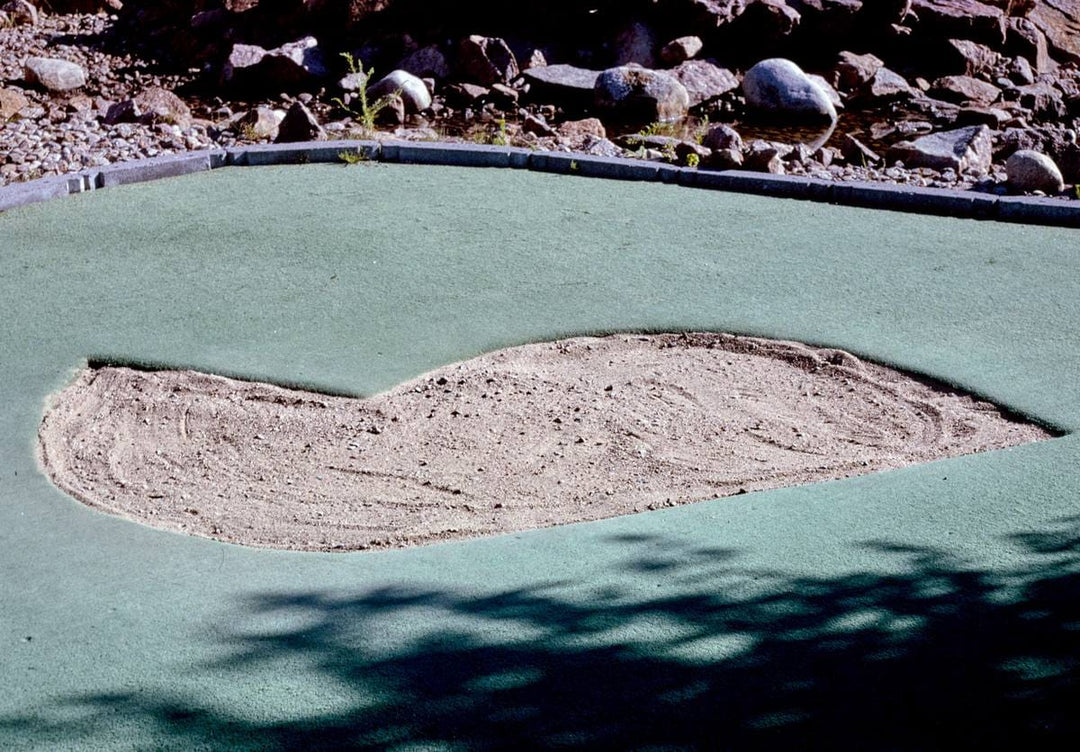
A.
pixel 680 50
pixel 504 97
pixel 1059 21
pixel 426 61
pixel 125 111
pixel 779 88
pixel 354 81
pixel 856 152
pixel 292 67
pixel 54 75
pixel 704 81
pixel 964 89
pixel 1020 72
pixel 537 125
pixel 885 86
pixel 574 131
pixel 635 44
pixel 12 101
pixel 467 94
pixel 1042 99
pixel 414 93
pixel 990 116
pixel 959 19
pixel 487 60
pixel 565 85
pixel 852 71
pixel 830 92
pixel 971 58
pixel 1031 171
pixel 963 150
pixel 766 21
pixel 1022 37
pixel 722 136
pixel 21 12
pixel 637 94
pixel 160 105
pixel 299 125
pixel 762 156
pixel 393 113
pixel 730 158
pixel 259 123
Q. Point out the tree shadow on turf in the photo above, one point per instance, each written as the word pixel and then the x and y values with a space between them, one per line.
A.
pixel 688 648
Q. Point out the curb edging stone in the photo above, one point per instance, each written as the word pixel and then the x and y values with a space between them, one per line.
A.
pixel 935 201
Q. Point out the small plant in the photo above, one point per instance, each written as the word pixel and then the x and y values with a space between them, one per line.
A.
pixel 368 111
pixel 354 157
pixel 248 132
pixel 692 160
pixel 701 130
pixel 500 138
pixel 573 165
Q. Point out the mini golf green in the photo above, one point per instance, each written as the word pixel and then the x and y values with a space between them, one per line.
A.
pixel 912 609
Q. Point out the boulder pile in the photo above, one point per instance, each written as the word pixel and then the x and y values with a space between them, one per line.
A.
pixel 952 87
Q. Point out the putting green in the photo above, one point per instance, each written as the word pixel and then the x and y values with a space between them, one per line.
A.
pixel 907 609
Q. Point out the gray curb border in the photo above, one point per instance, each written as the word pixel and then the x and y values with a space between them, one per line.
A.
pixel 964 204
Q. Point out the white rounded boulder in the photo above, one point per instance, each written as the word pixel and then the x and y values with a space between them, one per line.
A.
pixel 414 92
pixel 1031 171
pixel 780 89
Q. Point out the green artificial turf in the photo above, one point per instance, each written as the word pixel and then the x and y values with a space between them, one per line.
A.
pixel 910 609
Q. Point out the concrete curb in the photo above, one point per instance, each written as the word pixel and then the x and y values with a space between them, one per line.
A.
pixel 963 204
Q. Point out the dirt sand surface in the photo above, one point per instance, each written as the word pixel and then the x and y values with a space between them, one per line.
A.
pixel 527 437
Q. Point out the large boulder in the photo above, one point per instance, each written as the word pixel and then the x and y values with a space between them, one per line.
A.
pixel 1059 20
pixel 487 60
pixel 779 88
pixel 964 90
pixel 55 75
pixel 564 85
pixel 295 66
pixel 299 125
pixel 704 81
pixel 962 150
pixel 635 94
pixel 959 19
pixel 1029 170
pixel 413 92
pixel 161 105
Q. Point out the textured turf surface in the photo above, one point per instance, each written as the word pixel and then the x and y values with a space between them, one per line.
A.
pixel 909 609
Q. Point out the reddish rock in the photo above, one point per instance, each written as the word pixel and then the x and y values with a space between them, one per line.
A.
pixel 960 19
pixel 487 60
pixel 973 59
pixel 852 71
pixel 1022 37
pixel 578 130
pixel 680 50
pixel 11 102
pixel 704 81
pixel 964 90
pixel 1059 20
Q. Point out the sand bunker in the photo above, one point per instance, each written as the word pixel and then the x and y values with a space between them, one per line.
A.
pixel 527 437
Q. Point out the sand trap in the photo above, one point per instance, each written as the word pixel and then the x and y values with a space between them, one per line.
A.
pixel 522 438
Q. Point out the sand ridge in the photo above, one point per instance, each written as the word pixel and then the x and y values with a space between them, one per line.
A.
pixel 527 437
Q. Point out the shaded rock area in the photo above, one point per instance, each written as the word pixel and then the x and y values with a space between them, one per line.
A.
pixel 888 74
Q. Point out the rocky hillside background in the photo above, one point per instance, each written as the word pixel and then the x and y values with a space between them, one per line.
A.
pixel 933 92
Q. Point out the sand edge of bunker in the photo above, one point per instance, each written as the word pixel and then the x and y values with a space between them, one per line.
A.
pixel 543 434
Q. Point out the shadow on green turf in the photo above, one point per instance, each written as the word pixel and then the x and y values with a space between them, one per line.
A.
pixel 942 654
